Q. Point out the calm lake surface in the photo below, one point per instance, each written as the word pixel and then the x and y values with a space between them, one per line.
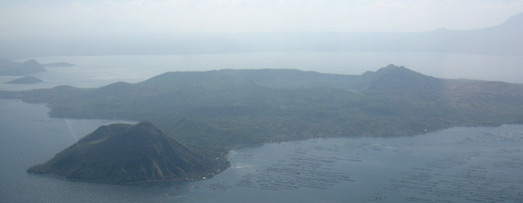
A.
pixel 454 165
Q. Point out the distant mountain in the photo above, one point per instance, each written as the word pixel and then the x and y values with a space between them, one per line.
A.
pixel 25 80
pixel 58 64
pixel 13 68
pixel 279 79
pixel 127 154
pixel 503 39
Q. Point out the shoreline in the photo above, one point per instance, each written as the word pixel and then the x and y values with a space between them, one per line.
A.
pixel 226 152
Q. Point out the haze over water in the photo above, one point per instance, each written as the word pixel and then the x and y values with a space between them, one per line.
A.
pixel 97 71
pixel 122 40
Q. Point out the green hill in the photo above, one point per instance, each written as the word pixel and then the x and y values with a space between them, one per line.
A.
pixel 128 154
pixel 215 111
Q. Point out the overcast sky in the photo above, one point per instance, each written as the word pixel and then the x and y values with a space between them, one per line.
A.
pixel 257 15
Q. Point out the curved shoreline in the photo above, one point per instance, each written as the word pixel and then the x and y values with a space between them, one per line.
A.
pixel 227 154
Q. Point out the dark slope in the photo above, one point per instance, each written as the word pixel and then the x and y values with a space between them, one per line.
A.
pixel 127 154
pixel 396 79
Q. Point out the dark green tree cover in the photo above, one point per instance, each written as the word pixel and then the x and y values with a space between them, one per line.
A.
pixel 129 154
pixel 212 112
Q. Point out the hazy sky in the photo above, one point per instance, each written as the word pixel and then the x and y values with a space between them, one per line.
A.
pixel 144 16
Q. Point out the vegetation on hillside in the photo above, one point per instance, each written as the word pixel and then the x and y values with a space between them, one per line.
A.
pixel 129 154
pixel 215 111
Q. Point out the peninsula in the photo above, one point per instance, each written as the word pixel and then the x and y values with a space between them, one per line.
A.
pixel 212 112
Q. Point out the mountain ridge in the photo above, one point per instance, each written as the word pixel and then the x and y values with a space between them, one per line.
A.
pixel 395 79
pixel 222 110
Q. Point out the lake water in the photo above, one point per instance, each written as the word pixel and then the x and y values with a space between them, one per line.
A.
pixel 453 165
